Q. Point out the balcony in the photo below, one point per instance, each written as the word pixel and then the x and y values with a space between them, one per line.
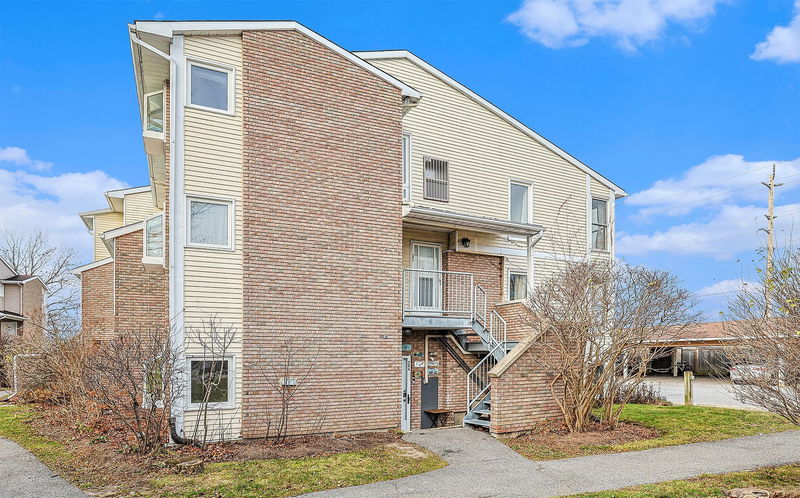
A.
pixel 440 300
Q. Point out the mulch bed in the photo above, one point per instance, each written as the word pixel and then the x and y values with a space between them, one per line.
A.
pixel 554 435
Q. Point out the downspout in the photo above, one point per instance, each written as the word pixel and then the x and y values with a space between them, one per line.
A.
pixel 176 216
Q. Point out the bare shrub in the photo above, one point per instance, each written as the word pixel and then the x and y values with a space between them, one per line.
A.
pixel 131 377
pixel 765 323
pixel 209 376
pixel 599 325
pixel 641 394
pixel 286 371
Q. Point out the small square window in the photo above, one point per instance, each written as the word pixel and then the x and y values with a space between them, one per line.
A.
pixel 210 223
pixel 211 87
pixel 210 381
pixel 517 286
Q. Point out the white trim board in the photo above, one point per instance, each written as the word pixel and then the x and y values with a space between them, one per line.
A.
pixel 171 28
pixel 91 266
pixel 405 54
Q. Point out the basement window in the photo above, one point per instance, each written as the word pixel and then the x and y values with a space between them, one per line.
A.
pixel 435 176
pixel 211 87
pixel 211 382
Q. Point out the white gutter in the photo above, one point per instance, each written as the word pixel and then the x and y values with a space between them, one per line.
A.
pixel 177 209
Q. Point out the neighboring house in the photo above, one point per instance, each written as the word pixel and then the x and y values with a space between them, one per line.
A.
pixel 364 206
pixel 22 304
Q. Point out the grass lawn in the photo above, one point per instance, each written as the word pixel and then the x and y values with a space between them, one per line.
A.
pixel 273 477
pixel 674 425
pixel 784 479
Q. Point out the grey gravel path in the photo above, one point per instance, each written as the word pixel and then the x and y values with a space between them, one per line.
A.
pixel 481 466
pixel 22 475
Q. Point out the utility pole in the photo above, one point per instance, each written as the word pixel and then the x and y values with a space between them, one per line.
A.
pixel 770 241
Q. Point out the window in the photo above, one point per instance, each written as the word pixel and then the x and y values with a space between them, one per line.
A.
pixel 211 223
pixel 435 177
pixel 154 112
pixel 8 329
pixel 2 290
pixel 211 381
pixel 154 237
pixel 599 224
pixel 211 87
pixel 519 202
pixel 517 286
pixel 406 168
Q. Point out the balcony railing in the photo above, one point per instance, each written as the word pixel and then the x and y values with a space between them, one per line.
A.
pixel 438 293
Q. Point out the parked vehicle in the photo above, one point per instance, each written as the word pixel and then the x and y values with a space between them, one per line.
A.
pixel 740 373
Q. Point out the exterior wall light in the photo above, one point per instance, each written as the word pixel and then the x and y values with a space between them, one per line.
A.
pixel 465 242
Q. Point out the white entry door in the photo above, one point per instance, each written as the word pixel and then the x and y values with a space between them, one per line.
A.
pixel 426 286
pixel 405 399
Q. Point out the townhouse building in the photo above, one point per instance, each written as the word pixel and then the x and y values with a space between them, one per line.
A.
pixel 363 208
pixel 22 305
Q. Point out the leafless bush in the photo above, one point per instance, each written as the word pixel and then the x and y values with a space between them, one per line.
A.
pixel 642 394
pixel 765 322
pixel 131 377
pixel 286 371
pixel 209 376
pixel 599 325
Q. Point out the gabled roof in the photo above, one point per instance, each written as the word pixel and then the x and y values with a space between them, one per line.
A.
pixel 405 54
pixel 169 28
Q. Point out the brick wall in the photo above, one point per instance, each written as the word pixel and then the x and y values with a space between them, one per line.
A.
pixel 141 296
pixel 32 329
pixel 488 272
pixel 517 317
pixel 97 302
pixel 322 218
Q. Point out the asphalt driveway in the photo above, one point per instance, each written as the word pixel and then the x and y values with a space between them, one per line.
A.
pixel 482 466
pixel 707 392
pixel 23 476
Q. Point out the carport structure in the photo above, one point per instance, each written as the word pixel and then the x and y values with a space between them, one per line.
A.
pixel 700 346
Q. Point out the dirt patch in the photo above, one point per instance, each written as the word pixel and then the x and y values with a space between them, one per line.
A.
pixel 551 439
pixel 409 450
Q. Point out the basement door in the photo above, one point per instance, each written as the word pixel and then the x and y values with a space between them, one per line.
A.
pixel 405 397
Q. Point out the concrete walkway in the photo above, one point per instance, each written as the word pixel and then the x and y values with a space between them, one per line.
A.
pixel 481 466
pixel 23 476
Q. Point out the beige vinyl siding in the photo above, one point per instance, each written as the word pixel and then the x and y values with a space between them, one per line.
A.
pixel 139 207
pixel 213 167
pixel 104 222
pixel 13 299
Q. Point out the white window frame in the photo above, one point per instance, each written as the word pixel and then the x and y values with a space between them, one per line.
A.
pixel 607 224
pixel 527 285
pixel 406 145
pixel 145 112
pixel 2 290
pixel 220 405
pixel 231 203
pixel 529 186
pixel 214 66
pixel 153 260
pixel 425 180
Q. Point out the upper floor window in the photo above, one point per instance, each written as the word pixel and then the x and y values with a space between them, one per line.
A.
pixel 517 285
pixel 154 237
pixel 211 86
pixel 519 194
pixel 154 111
pixel 435 177
pixel 406 168
pixel 599 224
pixel 210 223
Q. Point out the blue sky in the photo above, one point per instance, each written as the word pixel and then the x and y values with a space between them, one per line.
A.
pixel 684 103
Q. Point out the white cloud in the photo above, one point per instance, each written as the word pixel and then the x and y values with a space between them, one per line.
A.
pixel 631 23
pixel 732 230
pixel 783 42
pixel 20 157
pixel 716 181
pixel 726 288
pixel 52 203
pixel 158 15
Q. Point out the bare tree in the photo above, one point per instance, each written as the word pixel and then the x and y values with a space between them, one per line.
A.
pixel 286 371
pixel 766 349
pixel 34 255
pixel 599 326
pixel 209 376
pixel 131 376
